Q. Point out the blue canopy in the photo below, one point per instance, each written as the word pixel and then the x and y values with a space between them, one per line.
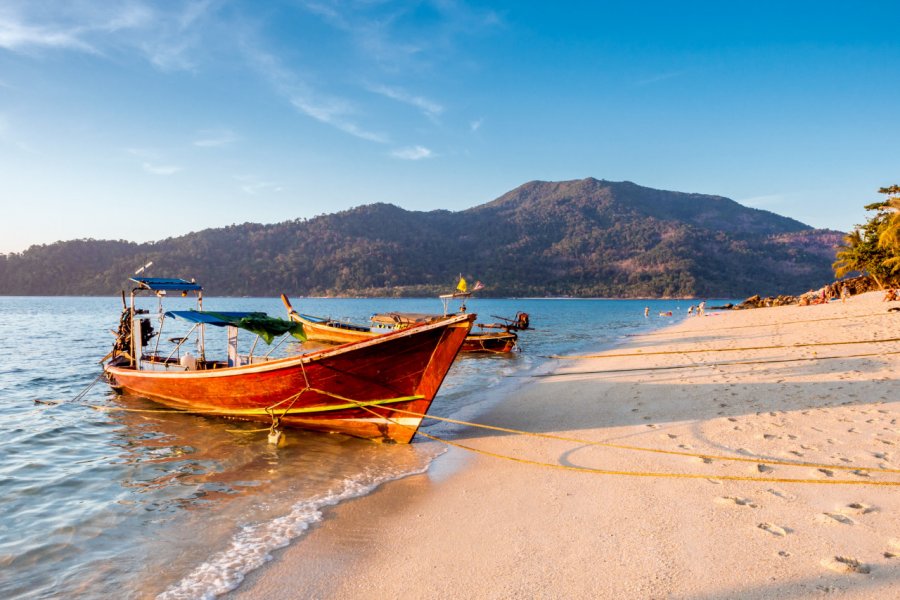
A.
pixel 268 328
pixel 218 318
pixel 166 284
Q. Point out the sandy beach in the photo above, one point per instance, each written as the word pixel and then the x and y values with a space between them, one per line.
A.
pixel 593 516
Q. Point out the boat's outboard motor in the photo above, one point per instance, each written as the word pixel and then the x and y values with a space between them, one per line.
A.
pixel 522 320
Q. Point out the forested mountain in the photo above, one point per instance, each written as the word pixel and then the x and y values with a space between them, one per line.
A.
pixel 578 238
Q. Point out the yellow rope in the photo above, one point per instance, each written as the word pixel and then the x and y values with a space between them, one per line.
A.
pixel 710 364
pixel 550 436
pixel 641 473
pixel 759 325
pixel 700 351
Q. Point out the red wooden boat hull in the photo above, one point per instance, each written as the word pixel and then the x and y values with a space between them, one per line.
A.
pixel 356 389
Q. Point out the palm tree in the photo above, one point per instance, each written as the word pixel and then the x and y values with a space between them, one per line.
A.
pixel 889 237
pixel 849 255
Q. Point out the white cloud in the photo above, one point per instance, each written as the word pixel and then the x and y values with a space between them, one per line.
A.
pixel 430 108
pixel 215 138
pixel 256 188
pixel 476 124
pixel 160 169
pixel 659 77
pixel 412 153
pixel 334 112
pixel 165 36
pixel 18 36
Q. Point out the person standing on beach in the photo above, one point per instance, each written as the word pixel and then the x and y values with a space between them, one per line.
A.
pixel 701 308
pixel 845 293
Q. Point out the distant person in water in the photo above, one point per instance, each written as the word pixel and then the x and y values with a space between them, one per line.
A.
pixel 646 311
pixel 690 310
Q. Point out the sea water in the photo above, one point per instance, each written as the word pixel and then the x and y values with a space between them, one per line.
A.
pixel 103 495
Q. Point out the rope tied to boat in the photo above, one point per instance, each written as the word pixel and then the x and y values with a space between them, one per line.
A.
pixel 861 471
pixel 711 350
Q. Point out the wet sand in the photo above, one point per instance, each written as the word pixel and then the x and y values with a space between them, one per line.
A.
pixel 683 523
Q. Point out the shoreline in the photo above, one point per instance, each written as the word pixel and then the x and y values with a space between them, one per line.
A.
pixel 479 526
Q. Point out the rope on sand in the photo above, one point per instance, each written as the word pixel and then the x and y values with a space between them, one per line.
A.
pixel 757 326
pixel 862 470
pixel 702 351
pixel 712 364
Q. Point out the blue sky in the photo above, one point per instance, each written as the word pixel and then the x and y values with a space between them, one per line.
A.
pixel 141 120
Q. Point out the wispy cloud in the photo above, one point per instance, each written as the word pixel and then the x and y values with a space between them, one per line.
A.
pixel 163 35
pixel 430 108
pixel 476 124
pixel 253 186
pixel 337 113
pixel 214 138
pixel 165 170
pixel 18 36
pixel 659 77
pixel 412 153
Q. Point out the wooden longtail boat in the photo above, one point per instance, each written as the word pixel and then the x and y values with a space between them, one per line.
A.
pixel 339 332
pixel 359 389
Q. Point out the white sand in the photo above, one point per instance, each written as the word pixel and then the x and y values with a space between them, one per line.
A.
pixel 493 528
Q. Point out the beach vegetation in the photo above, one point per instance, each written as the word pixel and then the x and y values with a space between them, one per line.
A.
pixel 873 248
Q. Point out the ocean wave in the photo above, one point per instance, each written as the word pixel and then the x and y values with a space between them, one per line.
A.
pixel 252 545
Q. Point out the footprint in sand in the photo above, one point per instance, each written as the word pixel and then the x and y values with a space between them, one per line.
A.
pixel 781 494
pixel 827 472
pixel 735 501
pixel 846 564
pixel 774 529
pixel 732 419
pixel 764 468
pixel 839 518
pixel 672 436
pixel 795 453
pixel 858 508
pixel 893 548
pixel 769 436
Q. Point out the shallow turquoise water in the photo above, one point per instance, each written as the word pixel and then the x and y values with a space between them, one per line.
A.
pixel 97 501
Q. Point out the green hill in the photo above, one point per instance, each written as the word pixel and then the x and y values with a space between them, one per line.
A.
pixel 578 238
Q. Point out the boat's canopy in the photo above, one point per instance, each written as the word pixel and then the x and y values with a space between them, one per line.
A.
pixel 266 327
pixel 160 284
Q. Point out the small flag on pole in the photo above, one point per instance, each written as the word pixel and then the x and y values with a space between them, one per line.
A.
pixel 461 286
